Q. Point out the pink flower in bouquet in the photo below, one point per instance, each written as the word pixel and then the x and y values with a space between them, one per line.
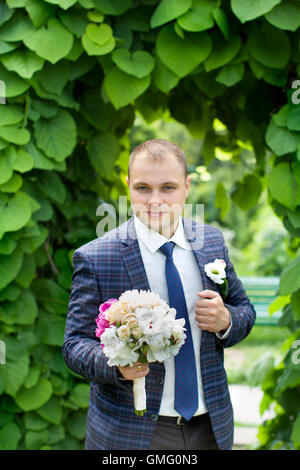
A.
pixel 101 321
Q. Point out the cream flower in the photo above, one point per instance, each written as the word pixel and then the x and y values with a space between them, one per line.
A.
pixel 216 271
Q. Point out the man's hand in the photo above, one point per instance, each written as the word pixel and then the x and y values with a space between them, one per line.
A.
pixel 137 371
pixel 211 313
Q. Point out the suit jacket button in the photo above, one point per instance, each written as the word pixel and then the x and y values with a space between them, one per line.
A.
pixel 154 417
pixel 160 380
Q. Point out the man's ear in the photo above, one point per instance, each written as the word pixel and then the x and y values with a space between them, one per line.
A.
pixel 187 185
pixel 127 181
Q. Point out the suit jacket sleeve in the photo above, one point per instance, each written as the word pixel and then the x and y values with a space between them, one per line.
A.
pixel 81 348
pixel 240 308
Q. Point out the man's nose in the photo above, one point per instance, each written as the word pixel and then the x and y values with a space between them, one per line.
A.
pixel 155 198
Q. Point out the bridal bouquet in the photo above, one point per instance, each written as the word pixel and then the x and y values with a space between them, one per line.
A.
pixel 139 326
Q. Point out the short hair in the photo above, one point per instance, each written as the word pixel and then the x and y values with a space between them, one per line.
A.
pixel 157 149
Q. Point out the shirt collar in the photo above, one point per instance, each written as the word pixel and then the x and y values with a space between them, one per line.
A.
pixel 154 240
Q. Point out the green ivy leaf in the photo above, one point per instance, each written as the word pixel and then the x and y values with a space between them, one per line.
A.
pixel 11 114
pixel 182 55
pixel 15 135
pixel 168 10
pixel 139 64
pixel 280 140
pixel 52 185
pixel 39 12
pixel 15 85
pixel 269 46
pixel 80 395
pixel 199 17
pixel 10 436
pixel 247 192
pixel 295 436
pixel 52 42
pixel 15 374
pixel 12 185
pixel 56 136
pixel 247 10
pixel 103 150
pixel 231 74
pixel 222 52
pixel 164 78
pixel 132 87
pixel 9 267
pixel 17 29
pixel 65 4
pixel 290 278
pixel 286 15
pixel 113 7
pixel 22 312
pixel 16 213
pixel 283 185
pixel 24 63
pixel 51 296
pixel 51 411
pixel 293 118
pixel 222 201
pixel 35 397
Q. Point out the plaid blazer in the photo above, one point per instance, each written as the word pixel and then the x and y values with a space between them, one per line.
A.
pixel 103 269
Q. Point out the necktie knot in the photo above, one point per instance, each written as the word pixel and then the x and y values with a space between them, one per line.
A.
pixel 167 249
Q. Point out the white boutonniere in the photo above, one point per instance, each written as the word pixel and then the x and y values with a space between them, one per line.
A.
pixel 216 272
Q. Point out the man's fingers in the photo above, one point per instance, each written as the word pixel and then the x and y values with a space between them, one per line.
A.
pixel 208 294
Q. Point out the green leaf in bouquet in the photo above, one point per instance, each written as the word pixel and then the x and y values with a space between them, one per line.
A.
pixel 35 397
pixel 24 62
pixel 247 10
pixel 168 10
pixel 131 88
pixel 182 55
pixel 52 42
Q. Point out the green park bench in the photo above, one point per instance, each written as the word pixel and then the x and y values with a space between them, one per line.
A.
pixel 262 291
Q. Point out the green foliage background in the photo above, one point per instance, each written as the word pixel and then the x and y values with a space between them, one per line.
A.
pixel 76 73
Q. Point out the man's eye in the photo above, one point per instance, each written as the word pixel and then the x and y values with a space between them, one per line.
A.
pixel 142 188
pixel 168 187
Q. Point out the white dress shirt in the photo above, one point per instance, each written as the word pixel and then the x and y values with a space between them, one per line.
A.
pixel 154 261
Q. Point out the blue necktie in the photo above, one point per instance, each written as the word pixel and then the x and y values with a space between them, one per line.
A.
pixel 186 387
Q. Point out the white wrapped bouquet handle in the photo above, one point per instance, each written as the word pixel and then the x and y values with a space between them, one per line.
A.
pixel 139 394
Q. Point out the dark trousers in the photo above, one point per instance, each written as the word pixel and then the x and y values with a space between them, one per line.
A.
pixel 196 434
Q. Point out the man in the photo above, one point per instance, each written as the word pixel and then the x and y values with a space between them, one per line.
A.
pixel 135 256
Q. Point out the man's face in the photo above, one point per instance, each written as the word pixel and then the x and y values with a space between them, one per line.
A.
pixel 158 191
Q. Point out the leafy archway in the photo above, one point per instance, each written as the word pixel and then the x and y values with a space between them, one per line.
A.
pixel 73 75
